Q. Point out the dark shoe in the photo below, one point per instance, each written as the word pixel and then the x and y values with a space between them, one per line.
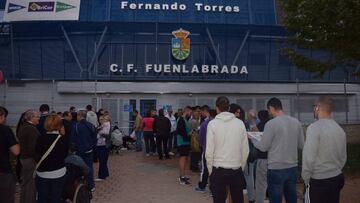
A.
pixel 201 190
pixel 184 181
pixel 161 158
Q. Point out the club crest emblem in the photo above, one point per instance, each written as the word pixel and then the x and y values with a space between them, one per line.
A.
pixel 180 45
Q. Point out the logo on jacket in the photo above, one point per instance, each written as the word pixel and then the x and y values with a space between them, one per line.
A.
pixel 46 6
pixel 14 7
pixel 180 45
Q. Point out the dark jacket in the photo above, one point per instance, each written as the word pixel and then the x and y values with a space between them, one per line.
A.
pixel 182 129
pixel 260 154
pixel 40 127
pixel 27 135
pixel 162 126
pixel 55 160
pixel 68 127
pixel 83 136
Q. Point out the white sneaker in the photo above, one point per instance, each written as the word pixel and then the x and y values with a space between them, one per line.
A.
pixel 147 154
pixel 123 149
pixel 171 154
pixel 98 179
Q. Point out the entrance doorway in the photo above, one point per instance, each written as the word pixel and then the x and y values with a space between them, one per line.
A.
pixel 146 105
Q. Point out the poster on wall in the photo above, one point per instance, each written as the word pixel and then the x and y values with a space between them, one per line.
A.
pixel 41 10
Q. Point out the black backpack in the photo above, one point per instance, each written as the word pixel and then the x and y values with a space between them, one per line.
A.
pixel 255 153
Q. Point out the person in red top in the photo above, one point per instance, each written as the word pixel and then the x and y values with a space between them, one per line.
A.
pixel 147 125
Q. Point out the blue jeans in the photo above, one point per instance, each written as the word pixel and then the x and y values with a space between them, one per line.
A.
pixel 138 140
pixel 88 159
pixel 49 190
pixel 282 181
pixel 103 154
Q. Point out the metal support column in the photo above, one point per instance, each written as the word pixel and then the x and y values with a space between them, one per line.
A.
pixel 5 92
pixel 213 46
pixel 346 103
pixel 97 49
pixel 12 50
pixel 72 50
pixel 53 89
pixel 298 99
pixel 241 47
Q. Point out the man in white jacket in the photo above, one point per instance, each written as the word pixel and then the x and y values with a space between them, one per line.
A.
pixel 227 150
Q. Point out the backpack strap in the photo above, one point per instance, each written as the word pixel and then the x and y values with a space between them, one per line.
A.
pixel 46 154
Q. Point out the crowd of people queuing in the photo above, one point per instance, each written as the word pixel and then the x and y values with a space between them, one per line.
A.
pixel 215 142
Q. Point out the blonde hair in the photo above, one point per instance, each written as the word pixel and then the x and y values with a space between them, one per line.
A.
pixel 105 118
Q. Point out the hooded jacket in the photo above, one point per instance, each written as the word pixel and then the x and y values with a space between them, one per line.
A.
pixel 226 142
pixel 92 118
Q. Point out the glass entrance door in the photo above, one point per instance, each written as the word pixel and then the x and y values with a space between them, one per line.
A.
pixel 146 105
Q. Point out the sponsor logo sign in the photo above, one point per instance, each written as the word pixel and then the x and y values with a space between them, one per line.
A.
pixel 60 6
pixel 41 10
pixel 14 7
pixel 46 6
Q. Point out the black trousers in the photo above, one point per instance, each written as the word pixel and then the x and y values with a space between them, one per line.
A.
pixel 171 143
pixel 149 142
pixel 161 144
pixel 195 158
pixel 221 179
pixel 204 173
pixel 326 190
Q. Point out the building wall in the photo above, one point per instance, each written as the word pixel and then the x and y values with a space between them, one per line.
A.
pixel 113 96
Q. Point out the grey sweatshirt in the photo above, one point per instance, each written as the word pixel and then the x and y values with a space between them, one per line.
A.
pixel 324 153
pixel 282 138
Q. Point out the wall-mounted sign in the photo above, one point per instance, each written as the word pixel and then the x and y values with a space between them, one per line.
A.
pixel 128 108
pixel 175 6
pixel 41 10
pixel 180 45
pixel 181 69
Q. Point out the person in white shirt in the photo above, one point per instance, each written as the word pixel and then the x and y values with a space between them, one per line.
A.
pixel 103 138
pixel 227 149
pixel 173 122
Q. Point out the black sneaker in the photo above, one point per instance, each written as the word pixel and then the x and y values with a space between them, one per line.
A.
pixel 183 181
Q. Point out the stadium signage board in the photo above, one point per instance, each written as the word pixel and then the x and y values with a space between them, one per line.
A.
pixel 41 10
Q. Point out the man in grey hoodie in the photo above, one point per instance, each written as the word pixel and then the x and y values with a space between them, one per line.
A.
pixel 282 137
pixel 91 116
pixel 324 155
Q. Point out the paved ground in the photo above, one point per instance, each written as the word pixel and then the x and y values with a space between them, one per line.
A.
pixel 137 178
pixel 140 179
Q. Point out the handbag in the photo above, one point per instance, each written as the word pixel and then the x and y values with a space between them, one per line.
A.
pixel 194 142
pixel 133 135
pixel 46 155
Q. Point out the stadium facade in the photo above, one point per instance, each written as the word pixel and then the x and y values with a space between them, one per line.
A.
pixel 125 55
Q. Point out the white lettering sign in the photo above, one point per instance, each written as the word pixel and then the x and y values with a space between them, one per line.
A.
pixel 199 7
pixel 182 69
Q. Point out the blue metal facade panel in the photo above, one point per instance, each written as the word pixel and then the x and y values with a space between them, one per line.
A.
pixel 144 37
